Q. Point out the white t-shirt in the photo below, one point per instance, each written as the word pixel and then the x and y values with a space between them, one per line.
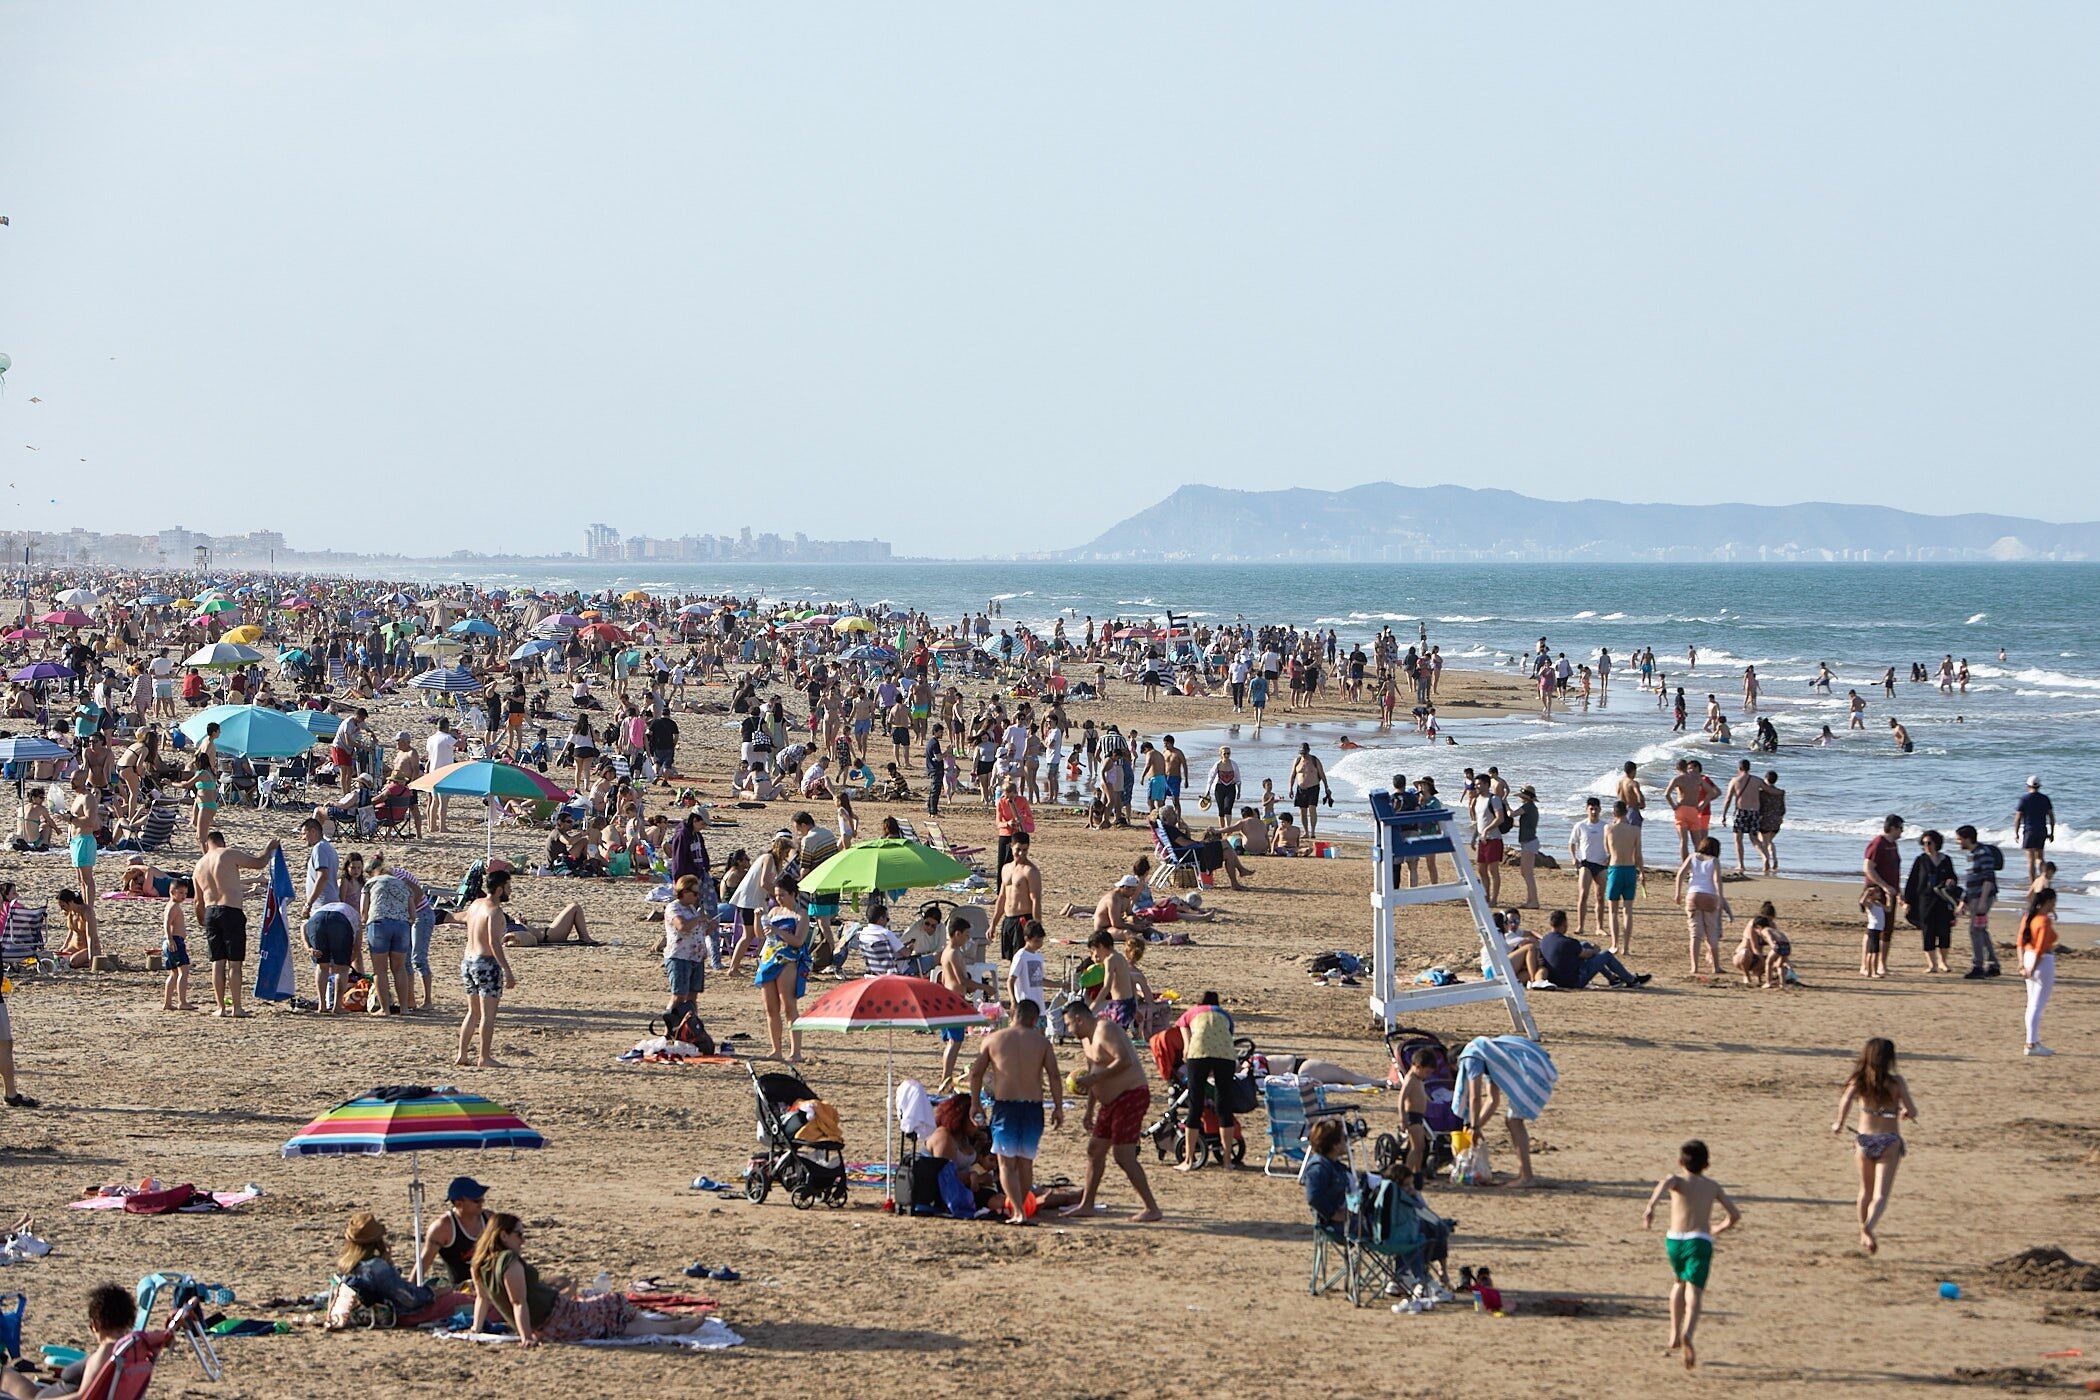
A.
pixel 1028 978
pixel 441 747
pixel 1586 842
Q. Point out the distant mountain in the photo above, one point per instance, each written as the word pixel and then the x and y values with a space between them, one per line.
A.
pixel 1384 521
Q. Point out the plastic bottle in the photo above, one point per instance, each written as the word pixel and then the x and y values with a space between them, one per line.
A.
pixel 601 1284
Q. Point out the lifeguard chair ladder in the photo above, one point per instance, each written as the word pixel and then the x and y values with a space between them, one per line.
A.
pixel 1398 836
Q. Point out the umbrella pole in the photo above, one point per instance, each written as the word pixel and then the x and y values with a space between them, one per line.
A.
pixel 889 1106
pixel 415 1209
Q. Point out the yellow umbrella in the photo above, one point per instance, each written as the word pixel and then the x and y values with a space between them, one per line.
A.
pixel 246 634
pixel 432 645
pixel 853 624
pixel 634 595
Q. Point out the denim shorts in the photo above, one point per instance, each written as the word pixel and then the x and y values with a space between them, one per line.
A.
pixel 419 949
pixel 387 936
pixel 687 976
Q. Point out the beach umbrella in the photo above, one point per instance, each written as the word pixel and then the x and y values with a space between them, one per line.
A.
pixel 296 656
pixel 558 622
pixel 154 600
pixel 216 606
pixel 605 632
pixel 866 652
pixel 413 1119
pixel 434 645
pixel 538 646
pixel 472 627
pixel 885 864
pixel 634 595
pixel 400 600
pixel 42 671
pixel 485 778
pixel 318 723
pixel 79 597
pixel 889 1004
pixel 244 635
pixel 695 610
pixel 223 656
pixel 26 749
pixel 853 624
pixel 457 680
pixel 250 731
pixel 299 605
pixel 26 634
pixel 66 617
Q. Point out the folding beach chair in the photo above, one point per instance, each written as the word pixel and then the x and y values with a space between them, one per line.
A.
pixel 22 932
pixel 1169 861
pixel 1292 1105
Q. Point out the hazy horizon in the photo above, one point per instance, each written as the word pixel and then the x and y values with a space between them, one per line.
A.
pixel 414 279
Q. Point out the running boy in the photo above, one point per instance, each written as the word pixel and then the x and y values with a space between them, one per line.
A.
pixel 1690 1243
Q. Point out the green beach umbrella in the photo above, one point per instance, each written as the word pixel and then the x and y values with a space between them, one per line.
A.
pixel 250 731
pixel 884 865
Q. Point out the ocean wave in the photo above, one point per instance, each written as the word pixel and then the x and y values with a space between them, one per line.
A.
pixel 1588 612
pixel 1613 617
pixel 2057 680
pixel 1976 619
pixel 1461 617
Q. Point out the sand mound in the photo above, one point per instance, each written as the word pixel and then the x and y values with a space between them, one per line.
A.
pixel 2045 1268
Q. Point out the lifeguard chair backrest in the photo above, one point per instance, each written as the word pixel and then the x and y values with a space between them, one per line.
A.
pixel 1412 834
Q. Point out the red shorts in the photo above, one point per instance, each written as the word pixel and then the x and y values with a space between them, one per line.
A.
pixel 1122 1121
pixel 340 757
pixel 1490 852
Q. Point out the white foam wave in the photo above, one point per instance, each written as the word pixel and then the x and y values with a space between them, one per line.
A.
pixel 1613 617
pixel 1976 619
pixel 1587 612
pixel 1461 617
pixel 2057 680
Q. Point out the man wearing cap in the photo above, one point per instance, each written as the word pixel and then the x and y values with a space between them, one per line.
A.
pixel 2034 822
pixel 441 748
pixel 452 1236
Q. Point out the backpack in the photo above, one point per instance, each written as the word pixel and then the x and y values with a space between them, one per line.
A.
pixel 1990 858
pixel 683 1024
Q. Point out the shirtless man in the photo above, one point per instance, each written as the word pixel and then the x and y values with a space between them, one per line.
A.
pixel 1901 735
pixel 1020 898
pixel 1691 1239
pixel 1018 1061
pixel 1174 767
pixel 1622 870
pixel 953 973
pixel 1115 912
pixel 484 969
pixel 1635 797
pixel 1117 1100
pixel 1118 990
pixel 1308 780
pixel 225 901
pixel 1690 796
pixel 1746 795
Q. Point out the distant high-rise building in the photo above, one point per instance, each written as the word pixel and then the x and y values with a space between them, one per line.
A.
pixel 601 542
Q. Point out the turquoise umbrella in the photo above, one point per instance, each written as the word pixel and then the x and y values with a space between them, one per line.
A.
pixel 250 731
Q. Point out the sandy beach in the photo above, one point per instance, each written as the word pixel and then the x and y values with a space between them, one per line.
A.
pixel 855 1301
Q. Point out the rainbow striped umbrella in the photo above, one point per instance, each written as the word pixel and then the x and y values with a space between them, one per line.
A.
pixel 412 1119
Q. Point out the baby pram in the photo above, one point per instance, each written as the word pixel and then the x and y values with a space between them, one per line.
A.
pixel 1170 1133
pixel 1401 1042
pixel 803 1151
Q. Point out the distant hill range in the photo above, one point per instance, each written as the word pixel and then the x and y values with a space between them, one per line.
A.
pixel 1387 522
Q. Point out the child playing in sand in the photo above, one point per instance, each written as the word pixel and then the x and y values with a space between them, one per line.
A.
pixel 1874 946
pixel 175 946
pixel 1764 950
pixel 1690 1242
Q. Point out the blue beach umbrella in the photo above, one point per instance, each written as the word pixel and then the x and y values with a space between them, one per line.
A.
pixel 539 646
pixel 456 680
pixel 318 723
pixel 250 731
pixel 472 627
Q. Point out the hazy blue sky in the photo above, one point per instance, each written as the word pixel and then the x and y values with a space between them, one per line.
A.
pixel 986 278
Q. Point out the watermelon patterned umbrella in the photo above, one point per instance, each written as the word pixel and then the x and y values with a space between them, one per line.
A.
pixel 889 1004
pixel 412 1119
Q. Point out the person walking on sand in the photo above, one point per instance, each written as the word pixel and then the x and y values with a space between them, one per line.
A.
pixel 1117 1100
pixel 225 915
pixel 1308 780
pixel 2038 963
pixel 1884 1102
pixel 1690 1241
pixel 485 969
pixel 1017 1063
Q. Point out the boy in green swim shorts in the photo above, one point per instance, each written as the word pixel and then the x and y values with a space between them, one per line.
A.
pixel 1690 1245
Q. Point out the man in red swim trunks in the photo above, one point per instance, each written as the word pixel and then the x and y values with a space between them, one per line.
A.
pixel 1117 1101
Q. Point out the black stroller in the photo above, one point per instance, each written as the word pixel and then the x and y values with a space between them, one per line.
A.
pixel 1170 1133
pixel 1401 1043
pixel 802 1151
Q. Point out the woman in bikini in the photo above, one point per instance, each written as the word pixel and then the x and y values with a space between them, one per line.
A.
pixel 1884 1102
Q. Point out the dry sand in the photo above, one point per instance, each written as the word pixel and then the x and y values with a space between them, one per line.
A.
pixel 2006 1156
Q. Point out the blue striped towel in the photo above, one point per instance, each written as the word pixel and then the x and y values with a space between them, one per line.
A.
pixel 1520 1068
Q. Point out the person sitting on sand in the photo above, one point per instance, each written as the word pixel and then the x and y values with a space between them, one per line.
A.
pixel 451 1238
pixel 112 1314
pixel 569 925
pixel 367 1266
pixel 507 1287
pixel 34 828
pixel 1287 836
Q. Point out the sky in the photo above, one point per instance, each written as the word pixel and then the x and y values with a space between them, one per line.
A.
pixel 985 279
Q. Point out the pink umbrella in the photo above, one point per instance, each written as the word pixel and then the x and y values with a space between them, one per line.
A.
pixel 26 634
pixel 67 617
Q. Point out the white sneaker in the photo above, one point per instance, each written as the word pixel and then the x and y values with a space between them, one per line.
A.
pixel 1441 1294
pixel 2039 1050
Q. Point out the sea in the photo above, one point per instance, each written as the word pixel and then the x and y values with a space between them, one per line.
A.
pixel 2027 632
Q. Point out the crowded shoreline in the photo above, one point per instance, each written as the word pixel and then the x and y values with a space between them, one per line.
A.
pixel 744 782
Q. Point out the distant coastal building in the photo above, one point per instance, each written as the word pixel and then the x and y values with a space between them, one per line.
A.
pixel 604 542
pixel 173 548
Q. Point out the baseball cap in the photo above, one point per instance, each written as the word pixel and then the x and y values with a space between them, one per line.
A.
pixel 465 1188
pixel 1130 881
pixel 2034 780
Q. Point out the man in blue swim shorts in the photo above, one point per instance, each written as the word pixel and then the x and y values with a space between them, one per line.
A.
pixel 1622 876
pixel 1015 1066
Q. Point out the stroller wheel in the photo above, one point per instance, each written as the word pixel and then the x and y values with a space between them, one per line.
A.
pixel 803 1200
pixel 1385 1152
pixel 837 1198
pixel 755 1188
pixel 1239 1149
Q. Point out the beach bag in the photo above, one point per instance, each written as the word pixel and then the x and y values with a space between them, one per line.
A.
pixel 1470 1166
pixel 685 1026
pixel 11 1325
pixel 165 1202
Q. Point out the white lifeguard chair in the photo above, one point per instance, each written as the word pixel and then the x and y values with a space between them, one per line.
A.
pixel 1417 835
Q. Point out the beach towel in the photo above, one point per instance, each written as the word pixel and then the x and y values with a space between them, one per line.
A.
pixel 275 977
pixel 1520 1068
pixel 221 1200
pixel 710 1335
